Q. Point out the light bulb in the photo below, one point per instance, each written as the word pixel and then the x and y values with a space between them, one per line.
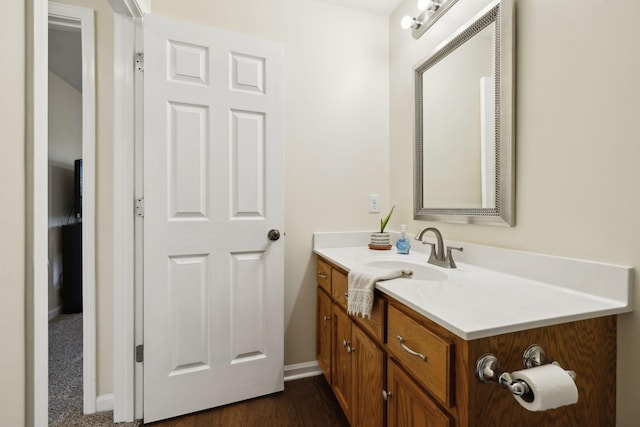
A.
pixel 409 22
pixel 424 4
pixel 428 5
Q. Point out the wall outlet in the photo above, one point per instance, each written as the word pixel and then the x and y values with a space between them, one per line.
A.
pixel 374 203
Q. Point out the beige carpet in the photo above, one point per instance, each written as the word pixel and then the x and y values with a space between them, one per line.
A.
pixel 65 377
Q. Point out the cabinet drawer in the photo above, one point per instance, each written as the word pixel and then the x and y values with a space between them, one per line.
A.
pixel 323 271
pixel 375 324
pixel 339 288
pixel 404 336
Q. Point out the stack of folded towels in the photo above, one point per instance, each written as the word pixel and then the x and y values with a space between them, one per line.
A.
pixel 362 282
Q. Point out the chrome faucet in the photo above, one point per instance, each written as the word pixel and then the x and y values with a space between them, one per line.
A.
pixel 437 256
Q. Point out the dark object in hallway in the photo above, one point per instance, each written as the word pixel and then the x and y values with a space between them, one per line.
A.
pixel 304 403
pixel 72 268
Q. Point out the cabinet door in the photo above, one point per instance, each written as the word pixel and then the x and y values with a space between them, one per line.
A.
pixel 408 405
pixel 341 371
pixel 368 380
pixel 324 333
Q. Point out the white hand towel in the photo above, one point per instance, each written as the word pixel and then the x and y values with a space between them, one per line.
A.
pixel 362 282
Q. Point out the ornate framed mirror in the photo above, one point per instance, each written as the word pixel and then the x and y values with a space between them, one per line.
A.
pixel 464 124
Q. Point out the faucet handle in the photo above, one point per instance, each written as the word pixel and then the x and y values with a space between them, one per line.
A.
pixel 432 255
pixel 450 261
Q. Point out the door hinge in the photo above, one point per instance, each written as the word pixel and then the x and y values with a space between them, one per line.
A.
pixel 139 61
pixel 139 353
pixel 140 207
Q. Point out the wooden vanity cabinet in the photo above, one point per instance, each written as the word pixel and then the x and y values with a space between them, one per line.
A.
pixel 587 346
pixel 356 369
pixel 366 357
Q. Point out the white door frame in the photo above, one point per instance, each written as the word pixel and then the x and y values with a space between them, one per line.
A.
pixel 127 297
pixel 36 327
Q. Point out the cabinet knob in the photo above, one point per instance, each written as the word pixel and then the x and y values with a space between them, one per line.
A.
pixel 386 395
pixel 344 343
pixel 325 318
pixel 350 349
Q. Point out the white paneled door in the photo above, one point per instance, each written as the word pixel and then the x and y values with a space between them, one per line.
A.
pixel 213 191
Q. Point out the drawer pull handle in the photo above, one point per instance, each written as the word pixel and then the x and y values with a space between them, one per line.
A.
pixel 408 350
pixel 386 395
pixel 322 276
pixel 325 318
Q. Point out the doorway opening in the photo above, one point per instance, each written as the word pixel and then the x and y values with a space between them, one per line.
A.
pixel 65 220
pixel 71 212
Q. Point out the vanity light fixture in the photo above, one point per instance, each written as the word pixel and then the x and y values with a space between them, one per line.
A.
pixel 430 11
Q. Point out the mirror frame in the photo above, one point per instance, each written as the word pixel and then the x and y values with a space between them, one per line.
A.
pixel 503 213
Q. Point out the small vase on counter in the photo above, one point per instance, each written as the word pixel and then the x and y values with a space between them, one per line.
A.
pixel 380 241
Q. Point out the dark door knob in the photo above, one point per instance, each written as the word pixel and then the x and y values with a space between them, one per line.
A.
pixel 273 235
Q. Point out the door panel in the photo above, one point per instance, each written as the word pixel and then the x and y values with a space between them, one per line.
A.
pixel 213 281
pixel 188 308
pixel 247 307
pixel 248 164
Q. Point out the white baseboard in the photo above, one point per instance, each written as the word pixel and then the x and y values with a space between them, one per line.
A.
pixel 55 312
pixel 301 370
pixel 104 402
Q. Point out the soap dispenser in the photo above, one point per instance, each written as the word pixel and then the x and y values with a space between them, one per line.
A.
pixel 403 245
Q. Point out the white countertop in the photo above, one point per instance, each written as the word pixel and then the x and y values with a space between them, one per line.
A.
pixel 475 302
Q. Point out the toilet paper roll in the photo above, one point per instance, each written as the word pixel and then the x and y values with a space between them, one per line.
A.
pixel 551 385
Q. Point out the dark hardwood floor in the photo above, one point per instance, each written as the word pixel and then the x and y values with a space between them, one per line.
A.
pixel 305 402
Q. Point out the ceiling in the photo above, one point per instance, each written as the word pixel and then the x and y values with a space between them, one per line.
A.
pixel 384 7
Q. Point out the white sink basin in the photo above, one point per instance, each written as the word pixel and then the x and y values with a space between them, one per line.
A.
pixel 421 270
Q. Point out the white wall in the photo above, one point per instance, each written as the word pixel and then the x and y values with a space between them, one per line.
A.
pixel 65 145
pixel 12 214
pixel 577 145
pixel 65 121
pixel 336 125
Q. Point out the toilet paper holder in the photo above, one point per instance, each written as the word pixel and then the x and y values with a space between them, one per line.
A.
pixel 488 370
